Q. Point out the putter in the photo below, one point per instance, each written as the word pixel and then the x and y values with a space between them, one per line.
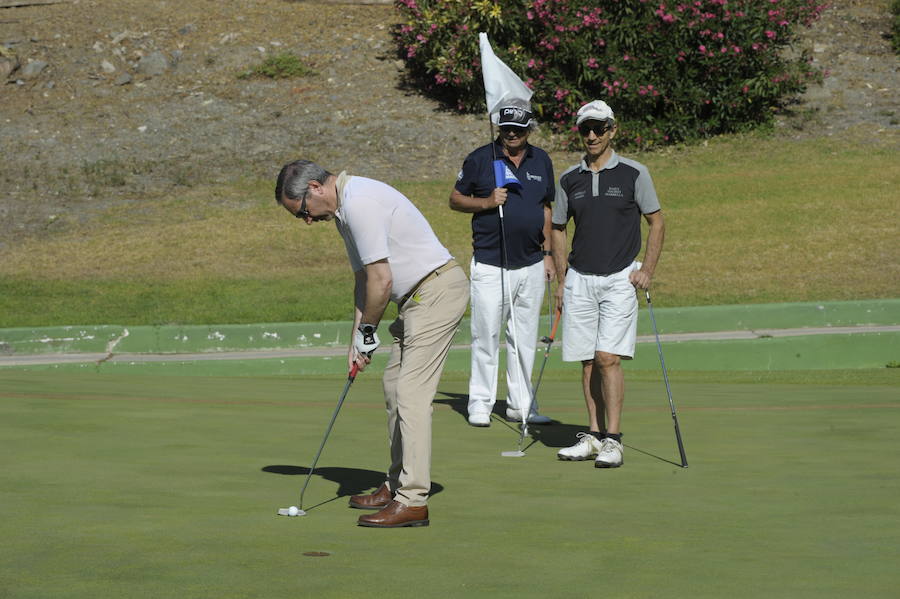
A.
pixel 512 320
pixel 549 341
pixel 298 511
pixel 662 362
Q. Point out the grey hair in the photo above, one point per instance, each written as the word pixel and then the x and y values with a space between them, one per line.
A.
pixel 294 178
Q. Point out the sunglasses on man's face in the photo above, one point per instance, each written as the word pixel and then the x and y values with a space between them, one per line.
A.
pixel 302 212
pixel 598 128
pixel 518 131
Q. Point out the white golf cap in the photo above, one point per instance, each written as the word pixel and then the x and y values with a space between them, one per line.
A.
pixel 598 110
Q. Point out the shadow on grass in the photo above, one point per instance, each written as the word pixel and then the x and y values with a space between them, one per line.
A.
pixel 556 434
pixel 647 453
pixel 351 481
pixel 459 402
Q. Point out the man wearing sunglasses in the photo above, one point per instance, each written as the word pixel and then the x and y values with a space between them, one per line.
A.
pixel 395 256
pixel 605 195
pixel 518 244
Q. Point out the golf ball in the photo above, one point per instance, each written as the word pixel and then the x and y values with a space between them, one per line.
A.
pixel 293 511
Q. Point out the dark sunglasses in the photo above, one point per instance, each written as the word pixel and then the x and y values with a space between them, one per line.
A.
pixel 302 212
pixel 598 128
pixel 507 129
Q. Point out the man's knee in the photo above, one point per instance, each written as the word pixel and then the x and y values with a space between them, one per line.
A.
pixel 606 360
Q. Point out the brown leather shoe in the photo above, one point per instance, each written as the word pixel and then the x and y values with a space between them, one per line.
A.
pixel 373 501
pixel 396 515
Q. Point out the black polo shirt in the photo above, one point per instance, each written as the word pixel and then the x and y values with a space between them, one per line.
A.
pixel 523 213
pixel 606 207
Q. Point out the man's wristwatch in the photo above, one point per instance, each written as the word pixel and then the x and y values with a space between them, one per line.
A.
pixel 547 253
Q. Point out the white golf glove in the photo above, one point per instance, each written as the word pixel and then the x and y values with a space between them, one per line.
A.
pixel 366 339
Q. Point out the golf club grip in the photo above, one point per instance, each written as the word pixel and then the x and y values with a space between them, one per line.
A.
pixel 354 370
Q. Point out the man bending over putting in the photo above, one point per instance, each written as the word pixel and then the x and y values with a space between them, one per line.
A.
pixel 395 255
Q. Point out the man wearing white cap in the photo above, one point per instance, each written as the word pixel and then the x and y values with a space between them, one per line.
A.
pixel 519 243
pixel 605 195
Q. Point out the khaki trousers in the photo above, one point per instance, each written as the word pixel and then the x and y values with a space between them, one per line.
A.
pixel 422 334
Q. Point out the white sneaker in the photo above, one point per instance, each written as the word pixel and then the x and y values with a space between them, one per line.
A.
pixel 587 447
pixel 480 419
pixel 610 454
pixel 534 418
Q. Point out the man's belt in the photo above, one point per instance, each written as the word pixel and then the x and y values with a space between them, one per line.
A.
pixel 433 274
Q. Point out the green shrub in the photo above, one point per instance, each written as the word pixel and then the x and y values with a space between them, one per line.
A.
pixel 895 27
pixel 279 66
pixel 672 71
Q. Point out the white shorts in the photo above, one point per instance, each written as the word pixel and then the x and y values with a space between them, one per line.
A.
pixel 599 314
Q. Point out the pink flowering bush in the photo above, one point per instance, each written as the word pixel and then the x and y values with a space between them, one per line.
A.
pixel 672 71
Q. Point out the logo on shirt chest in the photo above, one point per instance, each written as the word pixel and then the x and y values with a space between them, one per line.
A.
pixel 614 192
pixel 533 177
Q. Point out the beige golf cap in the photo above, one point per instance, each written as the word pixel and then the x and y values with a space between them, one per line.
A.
pixel 598 110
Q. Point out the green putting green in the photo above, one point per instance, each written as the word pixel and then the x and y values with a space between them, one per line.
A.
pixel 149 485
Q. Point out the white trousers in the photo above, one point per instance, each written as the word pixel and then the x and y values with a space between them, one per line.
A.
pixel 490 308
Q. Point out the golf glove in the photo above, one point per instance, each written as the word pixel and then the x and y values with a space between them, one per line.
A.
pixel 366 339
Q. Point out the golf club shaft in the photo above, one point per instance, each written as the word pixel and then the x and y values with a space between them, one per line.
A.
pixel 512 321
pixel 662 362
pixel 534 391
pixel 350 378
pixel 549 342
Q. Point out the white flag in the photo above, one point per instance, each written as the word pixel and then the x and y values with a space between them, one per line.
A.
pixel 500 83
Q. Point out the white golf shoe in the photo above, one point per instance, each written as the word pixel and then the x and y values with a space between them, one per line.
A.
pixel 587 447
pixel 480 420
pixel 610 454
pixel 534 418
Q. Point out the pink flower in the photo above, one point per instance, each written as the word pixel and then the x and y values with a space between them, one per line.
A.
pixel 592 63
pixel 770 34
pixel 702 49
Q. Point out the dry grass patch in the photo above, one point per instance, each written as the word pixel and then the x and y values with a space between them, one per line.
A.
pixel 748 220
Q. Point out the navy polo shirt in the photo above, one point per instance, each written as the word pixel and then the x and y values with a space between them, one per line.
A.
pixel 606 207
pixel 523 212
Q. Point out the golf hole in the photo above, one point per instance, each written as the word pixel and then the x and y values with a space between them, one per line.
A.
pixel 316 554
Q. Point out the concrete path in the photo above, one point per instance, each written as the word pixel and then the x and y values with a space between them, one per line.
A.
pixel 38 359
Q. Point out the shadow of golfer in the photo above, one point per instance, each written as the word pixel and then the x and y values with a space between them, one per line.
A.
pixel 459 402
pixel 350 481
pixel 558 435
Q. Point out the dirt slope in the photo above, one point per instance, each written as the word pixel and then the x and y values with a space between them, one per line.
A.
pixel 139 98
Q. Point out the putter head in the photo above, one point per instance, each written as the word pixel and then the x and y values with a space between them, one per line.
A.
pixel 546 339
pixel 513 454
pixel 283 511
